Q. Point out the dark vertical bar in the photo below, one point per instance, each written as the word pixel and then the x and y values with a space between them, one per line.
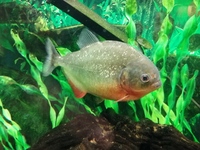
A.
pixel 90 19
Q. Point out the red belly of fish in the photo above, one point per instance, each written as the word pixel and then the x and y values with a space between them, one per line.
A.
pixel 112 92
pixel 117 93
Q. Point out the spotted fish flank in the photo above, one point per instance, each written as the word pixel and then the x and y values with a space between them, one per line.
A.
pixel 109 69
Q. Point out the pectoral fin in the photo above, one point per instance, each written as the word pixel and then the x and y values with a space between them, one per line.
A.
pixel 122 99
pixel 77 92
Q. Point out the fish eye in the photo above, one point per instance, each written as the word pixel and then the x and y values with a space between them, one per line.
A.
pixel 145 78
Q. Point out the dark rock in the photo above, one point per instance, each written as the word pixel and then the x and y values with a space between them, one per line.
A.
pixel 113 132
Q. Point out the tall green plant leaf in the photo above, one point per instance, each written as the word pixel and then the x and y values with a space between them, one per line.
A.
pixel 61 113
pixel 168 4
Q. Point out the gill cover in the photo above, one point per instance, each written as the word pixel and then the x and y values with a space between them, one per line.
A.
pixel 124 79
pixel 132 80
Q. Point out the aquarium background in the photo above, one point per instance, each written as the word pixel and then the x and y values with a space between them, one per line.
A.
pixel 32 105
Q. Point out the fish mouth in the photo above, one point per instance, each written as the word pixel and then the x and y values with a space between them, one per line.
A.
pixel 157 84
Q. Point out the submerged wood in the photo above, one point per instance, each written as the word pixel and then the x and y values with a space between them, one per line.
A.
pixel 111 131
pixel 90 19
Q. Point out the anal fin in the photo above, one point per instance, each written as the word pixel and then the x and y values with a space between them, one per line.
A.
pixel 78 93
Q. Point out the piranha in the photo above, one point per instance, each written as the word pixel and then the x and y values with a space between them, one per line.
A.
pixel 109 69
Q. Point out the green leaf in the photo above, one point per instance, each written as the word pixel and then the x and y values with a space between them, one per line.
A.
pixel 166 26
pixel 19 43
pixel 175 39
pixel 3 133
pixel 190 89
pixel 132 105
pixel 190 27
pixel 168 4
pixel 131 32
pixel 172 96
pixel 179 106
pixel 61 113
pixel 21 142
pixel 30 89
pixel 157 117
pixel 5 80
pixel 160 48
pixel 37 63
pixel 81 102
pixel 15 125
pixel 11 131
pixel 7 148
pixel 131 7
pixel 171 114
pixel 187 125
pixel 53 116
pixel 147 102
pixel 160 96
pixel 174 76
pixel 158 8
pixel 6 114
pixel 63 51
pixel 111 104
pixel 1 105
pixel 37 76
pixel 197 3
pixel 174 81
pixel 184 75
pixel 22 65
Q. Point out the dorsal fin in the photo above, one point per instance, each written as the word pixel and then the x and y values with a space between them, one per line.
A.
pixel 86 38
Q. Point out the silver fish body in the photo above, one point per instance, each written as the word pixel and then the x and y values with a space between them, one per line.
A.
pixel 110 69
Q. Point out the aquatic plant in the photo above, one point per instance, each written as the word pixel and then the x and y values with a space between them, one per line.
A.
pixel 114 12
pixel 160 106
pixel 56 110
pixel 165 106
pixel 35 71
pixel 156 103
pixel 9 128
pixel 131 8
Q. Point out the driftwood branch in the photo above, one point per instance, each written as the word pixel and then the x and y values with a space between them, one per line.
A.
pixel 113 132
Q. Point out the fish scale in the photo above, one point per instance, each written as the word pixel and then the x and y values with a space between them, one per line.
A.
pixel 104 63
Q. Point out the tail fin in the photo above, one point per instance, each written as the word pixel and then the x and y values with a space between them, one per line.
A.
pixel 50 59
